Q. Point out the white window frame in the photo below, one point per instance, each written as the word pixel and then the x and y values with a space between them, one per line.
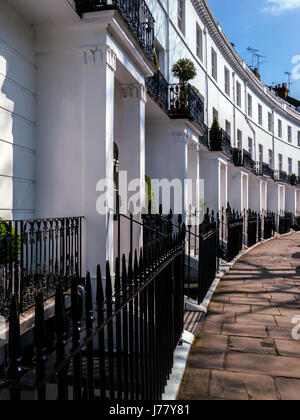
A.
pixel 199 42
pixel 250 110
pixel 227 80
pixel 238 94
pixel 290 166
pixel 279 128
pixel 290 134
pixel 214 64
pixel 181 15
pixel 280 162
pixel 260 114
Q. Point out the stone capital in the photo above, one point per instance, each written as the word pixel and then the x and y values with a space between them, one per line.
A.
pixel 134 92
pixel 100 55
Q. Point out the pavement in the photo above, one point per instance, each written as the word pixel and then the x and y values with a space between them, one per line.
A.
pixel 248 347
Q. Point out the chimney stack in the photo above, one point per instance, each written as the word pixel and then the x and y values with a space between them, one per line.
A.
pixel 255 71
pixel 282 91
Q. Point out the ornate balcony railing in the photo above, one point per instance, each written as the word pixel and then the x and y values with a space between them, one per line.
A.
pixel 36 256
pixel 136 14
pixel 248 162
pixel 158 89
pixel 186 103
pixel 221 143
pixel 237 157
pixel 281 176
pixel 264 169
pixel 204 140
pixel 293 180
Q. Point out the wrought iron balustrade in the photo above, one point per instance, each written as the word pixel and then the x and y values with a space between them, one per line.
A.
pixel 221 143
pixel 158 89
pixel 186 103
pixel 121 348
pixel 293 180
pixel 264 169
pixel 251 219
pixel 269 224
pixel 285 223
pixel 204 140
pixel 281 176
pixel 230 233
pixel 237 157
pixel 36 255
pixel 248 162
pixel 136 14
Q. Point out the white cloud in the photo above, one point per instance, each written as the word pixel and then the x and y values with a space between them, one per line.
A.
pixel 276 7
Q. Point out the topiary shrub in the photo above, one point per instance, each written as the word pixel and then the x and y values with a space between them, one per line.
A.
pixel 184 70
pixel 215 135
pixel 294 179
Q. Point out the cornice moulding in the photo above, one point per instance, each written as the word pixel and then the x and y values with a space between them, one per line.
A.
pixel 238 64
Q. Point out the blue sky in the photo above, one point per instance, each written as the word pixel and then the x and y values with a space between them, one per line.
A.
pixel 273 27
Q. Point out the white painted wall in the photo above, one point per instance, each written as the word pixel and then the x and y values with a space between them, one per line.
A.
pixel 17 115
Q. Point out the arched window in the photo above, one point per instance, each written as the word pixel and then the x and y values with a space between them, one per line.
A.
pixel 116 180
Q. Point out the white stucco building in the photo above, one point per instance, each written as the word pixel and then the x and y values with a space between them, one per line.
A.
pixel 75 84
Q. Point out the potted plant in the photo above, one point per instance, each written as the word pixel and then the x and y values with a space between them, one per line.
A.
pixel 293 179
pixel 184 70
pixel 215 135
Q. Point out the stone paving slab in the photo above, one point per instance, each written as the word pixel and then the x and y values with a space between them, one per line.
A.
pixel 245 349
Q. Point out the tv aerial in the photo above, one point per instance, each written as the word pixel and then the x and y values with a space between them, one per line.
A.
pixel 260 60
pixel 289 75
pixel 253 51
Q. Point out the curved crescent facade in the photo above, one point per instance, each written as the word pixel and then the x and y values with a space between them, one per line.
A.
pixel 82 101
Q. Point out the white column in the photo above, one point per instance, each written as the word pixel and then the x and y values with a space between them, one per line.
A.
pixel 223 185
pixel 133 157
pixel 97 153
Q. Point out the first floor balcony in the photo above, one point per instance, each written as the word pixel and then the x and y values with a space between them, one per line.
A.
pixel 248 162
pixel 186 103
pixel 158 88
pixel 221 142
pixel 264 169
pixel 281 176
pixel 180 100
pixel 135 13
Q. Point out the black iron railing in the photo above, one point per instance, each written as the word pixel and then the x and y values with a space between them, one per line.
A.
pixel 264 169
pixel 204 140
pixel 293 180
pixel 201 251
pixel 285 222
pixel 281 176
pixel 36 255
pixel 186 103
pixel 230 234
pixel 136 14
pixel 248 162
pixel 251 219
pixel 296 225
pixel 124 351
pixel 221 143
pixel 237 157
pixel 269 223
pixel 158 89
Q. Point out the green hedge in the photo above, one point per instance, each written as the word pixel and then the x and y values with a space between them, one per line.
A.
pixel 8 239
